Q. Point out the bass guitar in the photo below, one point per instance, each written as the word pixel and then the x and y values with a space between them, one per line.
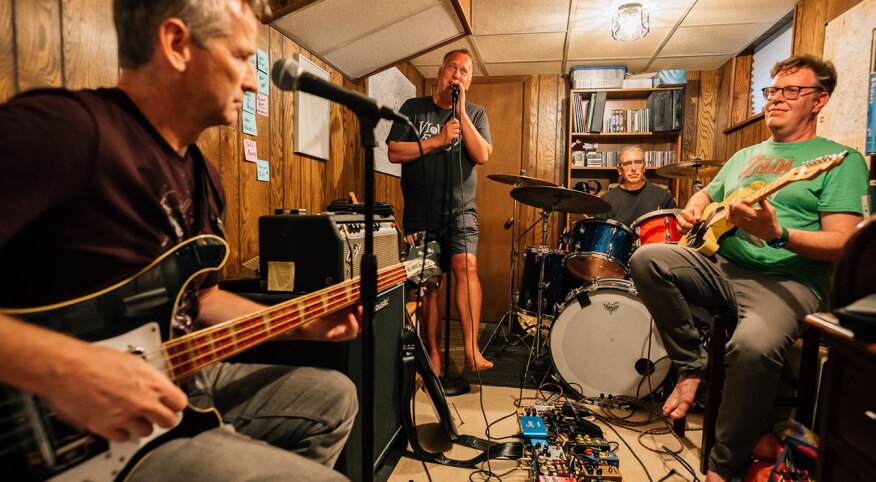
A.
pixel 705 234
pixel 131 316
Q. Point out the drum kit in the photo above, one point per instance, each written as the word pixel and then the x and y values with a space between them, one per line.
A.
pixel 600 337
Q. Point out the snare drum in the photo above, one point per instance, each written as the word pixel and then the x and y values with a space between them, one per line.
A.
pixel 603 342
pixel 599 249
pixel 557 283
pixel 659 226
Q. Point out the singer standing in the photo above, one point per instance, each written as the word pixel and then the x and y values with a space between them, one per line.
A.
pixel 439 192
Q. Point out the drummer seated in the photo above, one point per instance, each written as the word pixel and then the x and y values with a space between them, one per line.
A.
pixel 634 196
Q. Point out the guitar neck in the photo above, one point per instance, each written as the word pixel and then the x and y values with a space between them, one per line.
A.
pixel 189 354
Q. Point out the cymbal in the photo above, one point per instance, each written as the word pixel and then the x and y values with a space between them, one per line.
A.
pixel 692 168
pixel 522 180
pixel 560 199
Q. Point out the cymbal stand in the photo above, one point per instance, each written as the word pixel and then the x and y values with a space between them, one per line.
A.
pixel 545 214
pixel 697 183
pixel 515 252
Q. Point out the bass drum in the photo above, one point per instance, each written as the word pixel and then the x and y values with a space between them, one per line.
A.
pixel 603 342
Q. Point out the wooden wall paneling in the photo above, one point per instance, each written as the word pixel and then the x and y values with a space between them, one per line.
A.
pixel 810 17
pixel 255 195
pixel 354 158
pixel 316 178
pixel 336 187
pixel 525 215
pixel 38 44
pixel 7 52
pixel 292 162
pixel 276 119
pixel 835 8
pixel 546 152
pixel 724 82
pixel 740 100
pixel 229 140
pixel 90 44
pixel 690 129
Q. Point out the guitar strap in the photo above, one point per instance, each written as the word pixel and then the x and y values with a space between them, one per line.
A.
pixel 490 450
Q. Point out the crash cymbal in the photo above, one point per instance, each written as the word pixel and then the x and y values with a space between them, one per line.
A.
pixel 560 199
pixel 519 180
pixel 692 168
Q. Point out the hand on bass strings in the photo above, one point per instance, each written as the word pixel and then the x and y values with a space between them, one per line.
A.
pixel 340 326
pixel 110 393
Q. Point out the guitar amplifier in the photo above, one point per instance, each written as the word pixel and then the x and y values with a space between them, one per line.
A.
pixel 300 252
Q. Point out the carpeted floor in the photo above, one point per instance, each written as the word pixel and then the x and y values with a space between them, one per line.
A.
pixel 510 355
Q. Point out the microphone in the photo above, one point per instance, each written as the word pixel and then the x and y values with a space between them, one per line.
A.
pixel 508 223
pixel 288 75
pixel 454 92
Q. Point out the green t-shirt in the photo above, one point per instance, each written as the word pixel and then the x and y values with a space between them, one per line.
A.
pixel 797 204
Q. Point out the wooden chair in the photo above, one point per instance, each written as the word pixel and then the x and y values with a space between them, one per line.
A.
pixel 804 402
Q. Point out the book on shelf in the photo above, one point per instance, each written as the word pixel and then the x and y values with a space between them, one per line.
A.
pixel 598 101
pixel 870 144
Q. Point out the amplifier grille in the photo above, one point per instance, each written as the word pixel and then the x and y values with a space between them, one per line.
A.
pixel 386 247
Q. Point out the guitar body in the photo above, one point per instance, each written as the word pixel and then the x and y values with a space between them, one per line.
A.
pixel 706 233
pixel 129 316
pixel 713 224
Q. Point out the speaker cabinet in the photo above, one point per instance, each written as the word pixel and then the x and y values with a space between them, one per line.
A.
pixel 389 317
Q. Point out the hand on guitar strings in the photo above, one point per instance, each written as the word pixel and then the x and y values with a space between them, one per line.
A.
pixel 758 221
pixel 687 217
pixel 340 326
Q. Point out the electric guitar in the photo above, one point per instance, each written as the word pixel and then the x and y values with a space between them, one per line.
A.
pixel 130 316
pixel 704 235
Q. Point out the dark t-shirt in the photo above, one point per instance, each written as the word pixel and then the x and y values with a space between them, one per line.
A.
pixel 627 206
pixel 90 193
pixel 425 181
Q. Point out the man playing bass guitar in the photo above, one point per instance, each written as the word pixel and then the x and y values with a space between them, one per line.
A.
pixel 94 185
pixel 769 272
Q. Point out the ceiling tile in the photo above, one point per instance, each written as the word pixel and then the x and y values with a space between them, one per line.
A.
pixel 715 39
pixel 435 57
pixel 509 48
pixel 708 62
pixel 327 24
pixel 585 45
pixel 595 15
pixel 714 12
pixel 518 16
pixel 525 68
pixel 428 28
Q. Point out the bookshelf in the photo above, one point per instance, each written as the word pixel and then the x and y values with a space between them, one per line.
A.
pixel 624 110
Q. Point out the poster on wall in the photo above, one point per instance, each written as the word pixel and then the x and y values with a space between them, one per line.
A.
pixel 390 88
pixel 847 43
pixel 311 116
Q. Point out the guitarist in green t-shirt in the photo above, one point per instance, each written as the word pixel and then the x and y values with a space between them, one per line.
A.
pixel 761 241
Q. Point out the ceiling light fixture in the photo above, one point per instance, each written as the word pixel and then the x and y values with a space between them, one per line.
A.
pixel 630 22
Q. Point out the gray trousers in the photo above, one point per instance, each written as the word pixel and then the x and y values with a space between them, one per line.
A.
pixel 282 423
pixel 769 310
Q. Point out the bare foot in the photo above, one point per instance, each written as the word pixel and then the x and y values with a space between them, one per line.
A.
pixel 713 476
pixel 681 399
pixel 479 363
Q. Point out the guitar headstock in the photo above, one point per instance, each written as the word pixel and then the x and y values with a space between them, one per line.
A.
pixel 415 264
pixel 813 168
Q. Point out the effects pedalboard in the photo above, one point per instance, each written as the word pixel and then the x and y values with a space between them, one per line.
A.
pixel 562 445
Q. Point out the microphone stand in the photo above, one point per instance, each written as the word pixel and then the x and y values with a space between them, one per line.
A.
pixel 368 280
pixel 455 386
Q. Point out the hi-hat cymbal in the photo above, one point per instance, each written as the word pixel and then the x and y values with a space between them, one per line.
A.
pixel 521 180
pixel 692 168
pixel 560 199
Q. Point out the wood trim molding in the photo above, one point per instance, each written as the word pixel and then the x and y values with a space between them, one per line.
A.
pixel 751 120
pixel 280 8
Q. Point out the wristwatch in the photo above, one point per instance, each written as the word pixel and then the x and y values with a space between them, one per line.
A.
pixel 781 241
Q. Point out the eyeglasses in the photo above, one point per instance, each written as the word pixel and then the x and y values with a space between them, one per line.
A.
pixel 638 162
pixel 789 92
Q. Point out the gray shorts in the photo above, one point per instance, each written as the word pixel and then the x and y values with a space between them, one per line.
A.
pixel 459 236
